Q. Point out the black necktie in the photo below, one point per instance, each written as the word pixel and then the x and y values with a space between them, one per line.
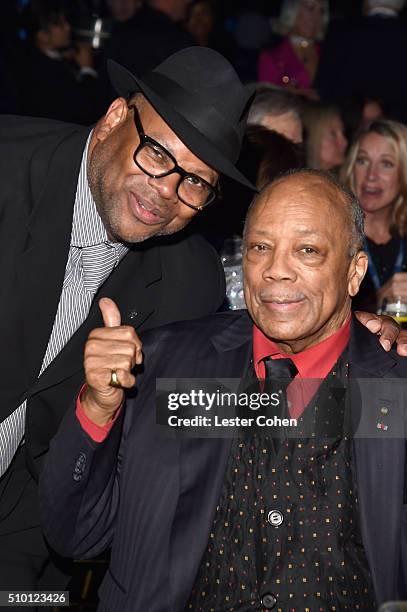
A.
pixel 279 374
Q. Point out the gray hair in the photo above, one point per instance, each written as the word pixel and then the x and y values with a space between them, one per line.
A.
pixel 288 14
pixel 274 101
pixel 396 5
pixel 354 210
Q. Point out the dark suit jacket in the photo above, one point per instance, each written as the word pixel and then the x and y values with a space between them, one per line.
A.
pixel 157 282
pixel 153 498
pixel 362 59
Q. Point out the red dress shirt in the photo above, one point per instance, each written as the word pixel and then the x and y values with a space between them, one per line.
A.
pixel 313 364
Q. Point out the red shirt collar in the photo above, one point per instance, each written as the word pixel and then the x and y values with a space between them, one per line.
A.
pixel 315 362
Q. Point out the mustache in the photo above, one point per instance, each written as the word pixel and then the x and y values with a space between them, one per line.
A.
pixel 281 298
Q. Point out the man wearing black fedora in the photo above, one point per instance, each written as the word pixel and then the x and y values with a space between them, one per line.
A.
pixel 81 210
pixel 81 214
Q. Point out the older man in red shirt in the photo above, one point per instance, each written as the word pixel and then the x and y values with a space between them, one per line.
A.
pixel 266 518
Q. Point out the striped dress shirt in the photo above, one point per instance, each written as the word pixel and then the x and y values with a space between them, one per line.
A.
pixel 91 259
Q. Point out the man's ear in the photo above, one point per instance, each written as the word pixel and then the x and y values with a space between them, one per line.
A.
pixel 357 271
pixel 115 116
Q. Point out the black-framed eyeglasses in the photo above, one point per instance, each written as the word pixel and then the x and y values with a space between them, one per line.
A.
pixel 155 161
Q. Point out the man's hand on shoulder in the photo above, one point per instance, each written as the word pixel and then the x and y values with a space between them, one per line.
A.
pixel 111 352
pixel 387 329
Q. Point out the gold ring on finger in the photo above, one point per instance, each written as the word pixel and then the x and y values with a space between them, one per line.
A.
pixel 114 379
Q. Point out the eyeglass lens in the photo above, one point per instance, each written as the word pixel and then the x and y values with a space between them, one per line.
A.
pixel 154 160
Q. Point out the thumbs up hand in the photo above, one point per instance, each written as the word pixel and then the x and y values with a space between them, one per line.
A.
pixel 111 352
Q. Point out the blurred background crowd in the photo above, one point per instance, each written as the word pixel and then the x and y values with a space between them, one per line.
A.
pixel 331 94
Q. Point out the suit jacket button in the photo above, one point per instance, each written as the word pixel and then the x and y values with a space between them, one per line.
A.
pixel 268 601
pixel 81 459
pixel 80 463
pixel 79 468
pixel 275 518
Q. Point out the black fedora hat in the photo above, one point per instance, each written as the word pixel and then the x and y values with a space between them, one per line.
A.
pixel 198 94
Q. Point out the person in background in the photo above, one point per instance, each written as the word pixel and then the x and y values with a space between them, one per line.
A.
pixel 358 113
pixel 203 23
pixel 57 80
pixel 278 110
pixel 251 34
pixel 325 140
pixel 371 111
pixel 148 38
pixel 123 11
pixel 200 21
pixel 376 170
pixel 265 154
pixel 361 59
pixel 294 61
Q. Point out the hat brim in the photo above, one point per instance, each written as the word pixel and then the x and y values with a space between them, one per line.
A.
pixel 126 84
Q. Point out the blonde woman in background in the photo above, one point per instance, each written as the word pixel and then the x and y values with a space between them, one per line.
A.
pixel 325 141
pixel 376 170
pixel 294 61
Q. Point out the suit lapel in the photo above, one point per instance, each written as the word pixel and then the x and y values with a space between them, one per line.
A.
pixel 41 268
pixel 379 458
pixel 203 463
pixel 128 286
